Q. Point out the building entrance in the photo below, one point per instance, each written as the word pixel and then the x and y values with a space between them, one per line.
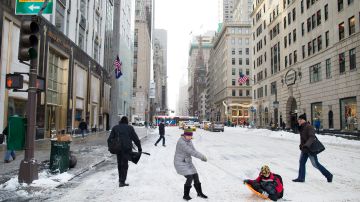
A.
pixel 291 112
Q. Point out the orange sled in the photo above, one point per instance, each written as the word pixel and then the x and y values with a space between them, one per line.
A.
pixel 255 192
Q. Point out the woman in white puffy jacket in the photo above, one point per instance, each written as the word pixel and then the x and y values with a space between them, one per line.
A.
pixel 184 166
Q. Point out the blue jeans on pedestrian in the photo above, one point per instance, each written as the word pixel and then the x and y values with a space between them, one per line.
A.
pixel 314 161
pixel 10 154
pixel 83 133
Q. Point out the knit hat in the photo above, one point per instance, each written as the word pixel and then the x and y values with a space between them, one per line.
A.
pixel 188 132
pixel 265 171
pixel 303 116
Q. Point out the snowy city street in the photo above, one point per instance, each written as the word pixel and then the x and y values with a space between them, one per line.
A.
pixel 233 155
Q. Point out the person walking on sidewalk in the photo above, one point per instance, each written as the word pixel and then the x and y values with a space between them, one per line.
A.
pixel 184 166
pixel 10 153
pixel 307 137
pixel 127 135
pixel 161 133
pixel 83 127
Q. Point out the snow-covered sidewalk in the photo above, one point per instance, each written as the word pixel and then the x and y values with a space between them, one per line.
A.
pixel 233 155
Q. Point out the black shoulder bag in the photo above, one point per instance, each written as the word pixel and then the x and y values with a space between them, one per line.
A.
pixel 316 147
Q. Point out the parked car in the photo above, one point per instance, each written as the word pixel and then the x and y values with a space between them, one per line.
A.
pixel 197 124
pixel 217 126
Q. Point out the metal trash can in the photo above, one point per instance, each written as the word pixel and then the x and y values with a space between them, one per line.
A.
pixel 59 156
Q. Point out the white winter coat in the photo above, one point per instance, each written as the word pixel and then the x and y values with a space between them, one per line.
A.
pixel 182 160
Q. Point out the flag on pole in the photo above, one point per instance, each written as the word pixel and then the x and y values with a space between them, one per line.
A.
pixel 117 65
pixel 243 78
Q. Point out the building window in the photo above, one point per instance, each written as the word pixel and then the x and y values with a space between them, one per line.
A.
pixel 295 56
pixel 247 51
pixel 319 42
pixel 247 92
pixel 254 94
pixel 289 38
pixel 326 10
pixel 285 41
pixel 348 113
pixel 233 51
pixel 315 73
pixel 308 24
pixel 328 68
pixel 240 61
pixel 302 29
pixel 318 16
pixel 233 61
pixel 303 52
pixel 350 2
pixel 81 41
pixel 314 44
pixel 284 22
pixel 352 56
pixel 55 80
pixel 316 113
pixel 342 62
pixel 289 18
pixel 247 61
pixel 59 17
pixel 341 31
pixel 290 59
pixel 302 6
pixel 294 14
pixel 313 21
pixel 286 61
pixel 233 93
pixel 273 88
pixel 340 5
pixel 327 39
pixel 352 25
pixel 233 71
pixel 233 82
pixel 294 35
pixel 240 51
pixel 309 48
pixel 240 93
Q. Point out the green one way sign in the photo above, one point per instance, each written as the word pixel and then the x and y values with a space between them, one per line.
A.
pixel 32 7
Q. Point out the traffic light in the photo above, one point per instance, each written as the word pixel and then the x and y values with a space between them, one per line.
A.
pixel 28 39
pixel 14 81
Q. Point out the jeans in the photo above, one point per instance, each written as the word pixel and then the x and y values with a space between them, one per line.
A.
pixel 314 161
pixel 8 154
pixel 83 133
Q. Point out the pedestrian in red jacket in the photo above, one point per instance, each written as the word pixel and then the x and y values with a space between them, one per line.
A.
pixel 268 183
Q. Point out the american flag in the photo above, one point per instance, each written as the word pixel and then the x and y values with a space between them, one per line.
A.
pixel 243 78
pixel 117 65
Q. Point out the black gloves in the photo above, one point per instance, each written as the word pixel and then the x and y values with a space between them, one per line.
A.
pixel 139 150
pixel 246 181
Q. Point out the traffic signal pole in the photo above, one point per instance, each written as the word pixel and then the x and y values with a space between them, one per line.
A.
pixel 28 167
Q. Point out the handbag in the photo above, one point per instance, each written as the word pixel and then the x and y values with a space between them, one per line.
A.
pixel 316 147
pixel 115 145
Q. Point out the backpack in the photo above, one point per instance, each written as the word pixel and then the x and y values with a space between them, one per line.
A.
pixel 114 145
pixel 278 176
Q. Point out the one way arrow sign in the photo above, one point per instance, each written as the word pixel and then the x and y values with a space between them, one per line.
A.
pixel 32 7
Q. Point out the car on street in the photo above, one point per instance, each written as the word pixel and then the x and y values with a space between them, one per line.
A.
pixel 217 126
pixel 190 124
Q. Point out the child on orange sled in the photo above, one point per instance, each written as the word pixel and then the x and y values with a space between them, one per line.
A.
pixel 268 184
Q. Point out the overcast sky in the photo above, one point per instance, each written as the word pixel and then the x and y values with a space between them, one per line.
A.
pixel 180 18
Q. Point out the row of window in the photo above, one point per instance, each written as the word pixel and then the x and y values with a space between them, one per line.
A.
pixel 291 58
pixel 351 24
pixel 233 83
pixel 233 71
pixel 233 93
pixel 240 51
pixel 262 91
pixel 289 17
pixel 239 41
pixel 290 37
pixel 247 61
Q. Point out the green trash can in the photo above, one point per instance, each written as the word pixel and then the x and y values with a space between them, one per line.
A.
pixel 17 132
pixel 59 156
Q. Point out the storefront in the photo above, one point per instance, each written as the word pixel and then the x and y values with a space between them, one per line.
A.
pixel 316 113
pixel 348 114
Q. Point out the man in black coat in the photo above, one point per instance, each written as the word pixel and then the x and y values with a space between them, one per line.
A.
pixel 83 127
pixel 127 135
pixel 307 137
pixel 161 133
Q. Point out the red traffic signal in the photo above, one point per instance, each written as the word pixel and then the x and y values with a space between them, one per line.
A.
pixel 14 81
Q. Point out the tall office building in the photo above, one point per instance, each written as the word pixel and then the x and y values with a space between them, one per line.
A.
pixel 306 61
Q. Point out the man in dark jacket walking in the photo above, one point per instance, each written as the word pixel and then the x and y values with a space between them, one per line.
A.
pixel 127 135
pixel 83 127
pixel 161 133
pixel 307 137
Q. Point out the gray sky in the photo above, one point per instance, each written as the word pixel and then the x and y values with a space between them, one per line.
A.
pixel 180 18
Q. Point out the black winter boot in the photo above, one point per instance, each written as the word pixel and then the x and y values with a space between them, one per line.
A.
pixel 199 191
pixel 187 192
